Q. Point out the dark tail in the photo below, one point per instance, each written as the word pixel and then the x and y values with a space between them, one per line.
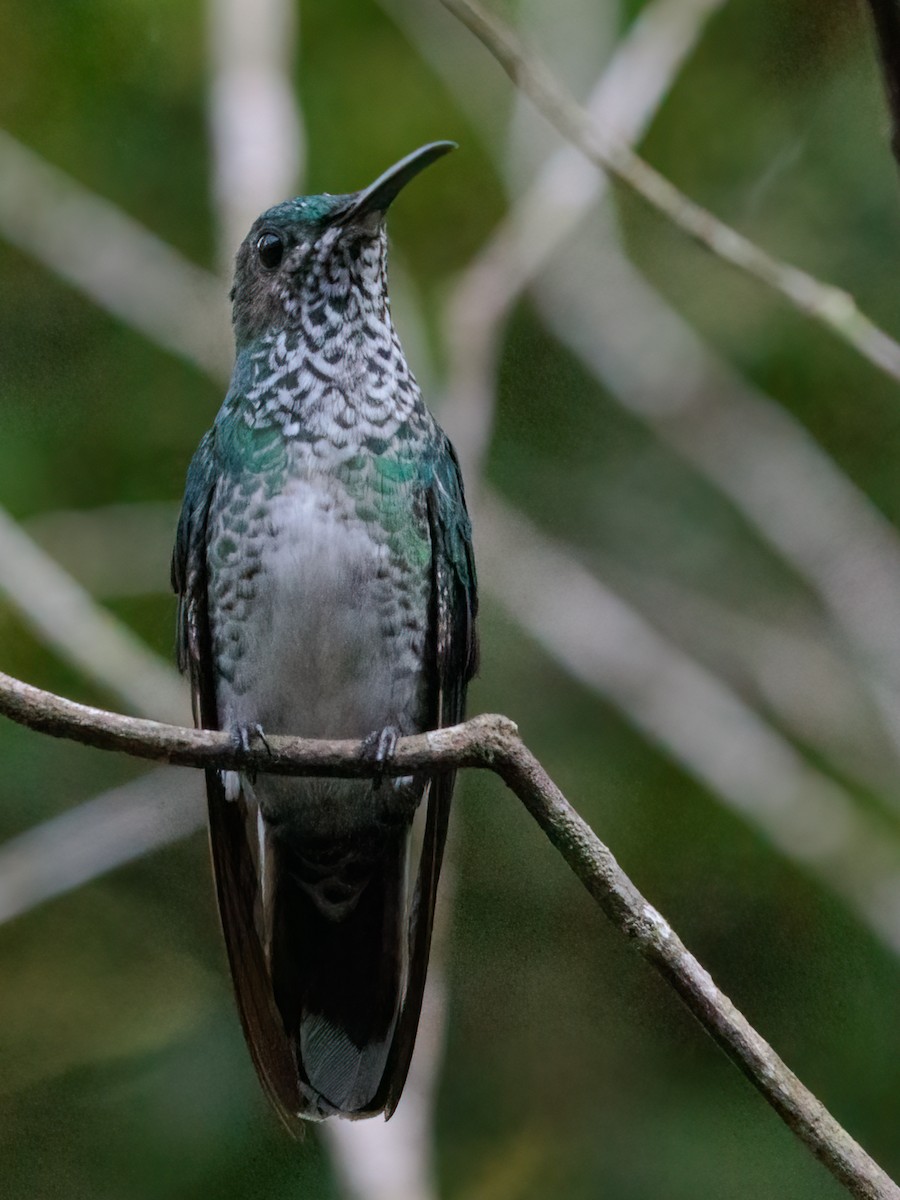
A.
pixel 328 950
pixel 338 963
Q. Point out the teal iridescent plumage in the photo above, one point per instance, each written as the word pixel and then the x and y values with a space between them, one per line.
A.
pixel 324 568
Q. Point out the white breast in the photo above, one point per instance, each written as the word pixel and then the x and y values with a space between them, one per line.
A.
pixel 322 651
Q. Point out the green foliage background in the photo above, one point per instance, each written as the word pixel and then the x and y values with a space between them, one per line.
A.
pixel 571 1070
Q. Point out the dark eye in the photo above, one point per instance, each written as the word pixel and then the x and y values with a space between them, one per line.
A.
pixel 270 248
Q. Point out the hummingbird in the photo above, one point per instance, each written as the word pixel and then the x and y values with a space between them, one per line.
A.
pixel 326 582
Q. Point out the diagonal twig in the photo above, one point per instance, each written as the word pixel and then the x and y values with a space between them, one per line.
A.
pixel 828 305
pixel 651 362
pixel 624 99
pixel 95 837
pixel 493 743
pixel 696 718
pixel 751 450
pixel 113 259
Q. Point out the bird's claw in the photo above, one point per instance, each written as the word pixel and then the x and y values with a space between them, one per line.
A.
pixel 242 735
pixel 379 748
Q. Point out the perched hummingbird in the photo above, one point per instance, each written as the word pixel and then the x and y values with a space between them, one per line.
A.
pixel 326 587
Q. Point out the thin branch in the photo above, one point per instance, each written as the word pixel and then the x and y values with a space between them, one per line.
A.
pixel 492 742
pixel 455 746
pixel 624 99
pixel 654 364
pixel 886 19
pixel 703 724
pixel 824 303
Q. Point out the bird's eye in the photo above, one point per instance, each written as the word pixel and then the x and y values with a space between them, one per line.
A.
pixel 270 249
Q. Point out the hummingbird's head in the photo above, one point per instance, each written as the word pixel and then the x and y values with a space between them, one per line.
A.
pixel 318 252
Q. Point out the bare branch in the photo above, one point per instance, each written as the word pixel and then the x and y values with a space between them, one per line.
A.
pixel 697 719
pixel 492 742
pixel 824 303
pixel 655 365
pixel 455 746
pixel 625 98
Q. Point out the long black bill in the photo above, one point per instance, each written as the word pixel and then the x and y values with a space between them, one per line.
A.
pixel 377 197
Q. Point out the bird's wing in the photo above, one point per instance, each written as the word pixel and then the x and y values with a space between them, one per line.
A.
pixel 453 649
pixel 232 825
pixel 189 583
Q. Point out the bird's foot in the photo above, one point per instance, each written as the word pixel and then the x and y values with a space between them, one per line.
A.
pixel 378 749
pixel 242 736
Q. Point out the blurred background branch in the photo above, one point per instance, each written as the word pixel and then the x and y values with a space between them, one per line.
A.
pixel 256 126
pixel 73 624
pixel 650 360
pixel 830 306
pixel 624 100
pixel 100 835
pixel 114 260
pixel 608 647
pixel 734 557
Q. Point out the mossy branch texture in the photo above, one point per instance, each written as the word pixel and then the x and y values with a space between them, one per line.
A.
pixel 491 743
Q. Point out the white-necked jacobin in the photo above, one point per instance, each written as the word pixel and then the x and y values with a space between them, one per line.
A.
pixel 326 589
